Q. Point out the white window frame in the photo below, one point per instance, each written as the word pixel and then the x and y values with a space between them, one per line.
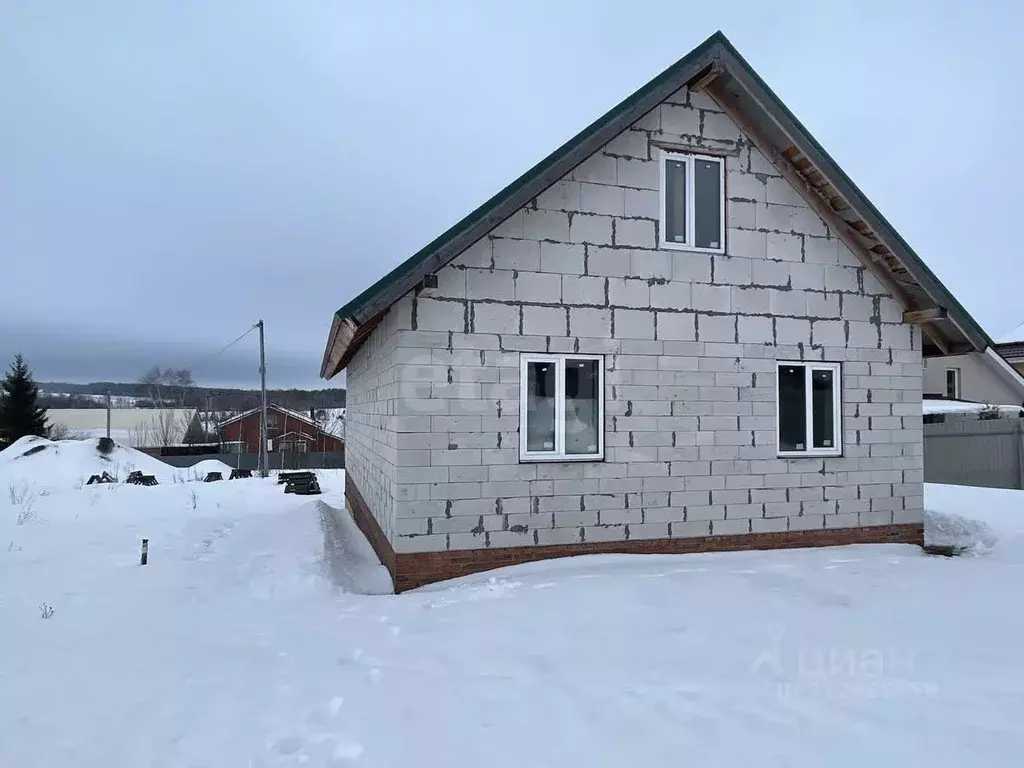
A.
pixel 559 453
pixel 957 382
pixel 691 201
pixel 810 366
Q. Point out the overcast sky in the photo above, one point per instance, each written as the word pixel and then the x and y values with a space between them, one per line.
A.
pixel 172 171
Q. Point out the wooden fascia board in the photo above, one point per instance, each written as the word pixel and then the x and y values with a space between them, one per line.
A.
pixel 343 331
pixel 704 80
pixel 332 335
pixel 362 332
pixel 920 316
pixel 843 231
pixel 847 234
pixel 742 75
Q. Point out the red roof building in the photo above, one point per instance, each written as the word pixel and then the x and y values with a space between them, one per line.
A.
pixel 287 430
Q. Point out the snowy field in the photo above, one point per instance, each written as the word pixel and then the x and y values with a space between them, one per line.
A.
pixel 237 645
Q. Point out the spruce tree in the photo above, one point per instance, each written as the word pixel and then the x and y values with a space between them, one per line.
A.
pixel 20 414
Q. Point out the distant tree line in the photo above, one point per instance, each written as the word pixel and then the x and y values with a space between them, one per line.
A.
pixel 64 395
pixel 23 404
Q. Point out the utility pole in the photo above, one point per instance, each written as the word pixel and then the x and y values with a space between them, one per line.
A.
pixel 263 406
pixel 108 414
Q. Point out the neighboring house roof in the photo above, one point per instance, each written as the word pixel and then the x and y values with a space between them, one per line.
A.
pixel 300 435
pixel 334 423
pixel 271 407
pixel 132 426
pixel 1011 345
pixel 1013 351
pixel 716 66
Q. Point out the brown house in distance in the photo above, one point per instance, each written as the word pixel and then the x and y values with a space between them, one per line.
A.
pixel 287 430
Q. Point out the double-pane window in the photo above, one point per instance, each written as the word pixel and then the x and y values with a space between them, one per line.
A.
pixel 808 400
pixel 561 409
pixel 692 202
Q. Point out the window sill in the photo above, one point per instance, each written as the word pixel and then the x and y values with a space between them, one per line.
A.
pixel 669 246
pixel 809 454
pixel 552 459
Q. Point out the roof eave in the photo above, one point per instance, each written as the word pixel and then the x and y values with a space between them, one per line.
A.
pixel 326 371
pixel 776 109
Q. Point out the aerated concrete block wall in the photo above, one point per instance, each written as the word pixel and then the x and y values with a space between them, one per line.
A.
pixel 690 342
pixel 371 445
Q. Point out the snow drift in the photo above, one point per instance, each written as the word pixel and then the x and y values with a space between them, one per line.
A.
pixel 48 465
pixel 961 535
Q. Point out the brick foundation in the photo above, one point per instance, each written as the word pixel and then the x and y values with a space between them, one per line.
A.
pixel 368 525
pixel 415 570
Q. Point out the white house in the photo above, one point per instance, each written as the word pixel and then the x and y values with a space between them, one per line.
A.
pixel 685 329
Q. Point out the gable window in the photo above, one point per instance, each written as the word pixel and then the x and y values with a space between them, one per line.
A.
pixel 561 407
pixel 807 409
pixel 953 383
pixel 692 202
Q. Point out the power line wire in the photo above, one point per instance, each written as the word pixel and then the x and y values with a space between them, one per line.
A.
pixel 220 351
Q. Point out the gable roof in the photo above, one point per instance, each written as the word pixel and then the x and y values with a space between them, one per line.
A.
pixel 716 66
pixel 270 407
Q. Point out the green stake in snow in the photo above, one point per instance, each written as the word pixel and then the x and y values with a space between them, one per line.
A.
pixel 145 552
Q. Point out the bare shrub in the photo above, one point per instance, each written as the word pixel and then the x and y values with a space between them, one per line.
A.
pixel 194 498
pixel 64 432
pixel 22 499
pixel 45 611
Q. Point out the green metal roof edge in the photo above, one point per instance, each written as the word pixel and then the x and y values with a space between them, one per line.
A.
pixel 837 169
pixel 544 166
pixel 527 178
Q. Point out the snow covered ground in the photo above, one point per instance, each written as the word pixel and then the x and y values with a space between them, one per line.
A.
pixel 45 466
pixel 237 645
